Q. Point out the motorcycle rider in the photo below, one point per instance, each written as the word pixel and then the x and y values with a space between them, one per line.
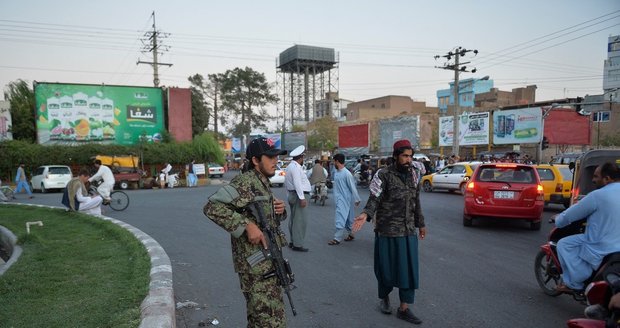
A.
pixel 318 177
pixel 582 253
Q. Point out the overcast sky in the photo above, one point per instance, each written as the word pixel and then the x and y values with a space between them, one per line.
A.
pixel 384 47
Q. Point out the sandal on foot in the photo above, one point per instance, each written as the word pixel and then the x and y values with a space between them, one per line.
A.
pixel 349 238
pixel 333 242
pixel 564 289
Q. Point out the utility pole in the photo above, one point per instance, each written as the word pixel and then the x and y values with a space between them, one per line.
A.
pixel 151 44
pixel 457 68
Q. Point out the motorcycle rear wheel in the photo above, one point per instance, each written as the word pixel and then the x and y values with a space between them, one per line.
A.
pixel 547 274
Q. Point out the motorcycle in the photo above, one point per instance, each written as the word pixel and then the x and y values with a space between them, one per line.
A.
pixel 320 193
pixel 598 314
pixel 363 180
pixel 547 266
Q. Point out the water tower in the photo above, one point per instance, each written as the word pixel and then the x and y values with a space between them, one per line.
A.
pixel 307 75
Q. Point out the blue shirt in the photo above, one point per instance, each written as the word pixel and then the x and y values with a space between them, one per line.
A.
pixel 602 209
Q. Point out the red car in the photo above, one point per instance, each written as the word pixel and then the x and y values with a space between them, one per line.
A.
pixel 505 190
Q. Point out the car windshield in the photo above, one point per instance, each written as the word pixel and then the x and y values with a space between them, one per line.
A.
pixel 514 174
pixel 60 170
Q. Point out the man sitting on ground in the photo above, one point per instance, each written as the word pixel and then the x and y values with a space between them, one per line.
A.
pixel 76 198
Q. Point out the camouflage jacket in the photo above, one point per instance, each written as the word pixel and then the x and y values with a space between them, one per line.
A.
pixel 395 203
pixel 229 208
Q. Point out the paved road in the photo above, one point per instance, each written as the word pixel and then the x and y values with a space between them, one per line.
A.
pixel 470 277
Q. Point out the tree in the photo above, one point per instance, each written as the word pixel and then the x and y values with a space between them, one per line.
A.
pixel 213 92
pixel 324 135
pixel 200 107
pixel 23 107
pixel 244 93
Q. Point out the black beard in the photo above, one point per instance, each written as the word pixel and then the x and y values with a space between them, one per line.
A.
pixel 402 168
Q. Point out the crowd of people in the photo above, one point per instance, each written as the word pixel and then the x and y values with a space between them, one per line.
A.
pixel 393 208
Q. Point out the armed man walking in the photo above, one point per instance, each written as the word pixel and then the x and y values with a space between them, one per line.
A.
pixel 231 207
pixel 394 203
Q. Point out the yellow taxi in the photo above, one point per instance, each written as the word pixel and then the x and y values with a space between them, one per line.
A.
pixel 451 178
pixel 557 181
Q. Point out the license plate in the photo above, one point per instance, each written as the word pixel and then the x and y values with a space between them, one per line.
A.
pixel 504 194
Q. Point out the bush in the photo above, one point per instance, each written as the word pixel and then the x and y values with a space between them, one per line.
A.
pixel 204 148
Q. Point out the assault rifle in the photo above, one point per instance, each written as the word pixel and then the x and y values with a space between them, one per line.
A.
pixel 281 267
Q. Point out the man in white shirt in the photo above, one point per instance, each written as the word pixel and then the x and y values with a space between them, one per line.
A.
pixel 103 173
pixel 298 187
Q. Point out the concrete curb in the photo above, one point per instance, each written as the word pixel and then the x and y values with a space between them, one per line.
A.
pixel 158 307
pixel 8 239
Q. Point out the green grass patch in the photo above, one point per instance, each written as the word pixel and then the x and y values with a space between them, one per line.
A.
pixel 75 271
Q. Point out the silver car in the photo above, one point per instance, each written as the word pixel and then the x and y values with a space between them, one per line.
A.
pixel 48 177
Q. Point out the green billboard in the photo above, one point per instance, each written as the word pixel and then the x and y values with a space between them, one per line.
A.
pixel 80 113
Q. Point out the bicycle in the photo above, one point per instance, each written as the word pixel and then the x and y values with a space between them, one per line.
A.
pixel 8 192
pixel 119 200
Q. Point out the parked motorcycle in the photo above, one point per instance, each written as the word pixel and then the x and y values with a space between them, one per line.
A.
pixel 598 314
pixel 547 266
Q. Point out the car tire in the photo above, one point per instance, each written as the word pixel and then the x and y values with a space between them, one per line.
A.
pixel 463 188
pixel 123 185
pixel 43 190
pixel 566 204
pixel 535 225
pixel 467 221
pixel 426 186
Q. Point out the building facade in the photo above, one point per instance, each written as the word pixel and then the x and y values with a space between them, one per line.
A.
pixel 468 89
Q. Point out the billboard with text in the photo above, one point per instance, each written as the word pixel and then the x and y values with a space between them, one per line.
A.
pixel 79 113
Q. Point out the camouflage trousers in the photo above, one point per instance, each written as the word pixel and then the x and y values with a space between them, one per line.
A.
pixel 264 301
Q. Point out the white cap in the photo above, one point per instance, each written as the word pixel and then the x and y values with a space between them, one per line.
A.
pixel 298 151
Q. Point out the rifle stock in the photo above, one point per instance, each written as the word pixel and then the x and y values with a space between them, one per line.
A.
pixel 281 267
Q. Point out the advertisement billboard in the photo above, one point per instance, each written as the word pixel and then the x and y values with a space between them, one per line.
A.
pixel 446 130
pixel 180 113
pixel 78 113
pixel 294 139
pixel 398 128
pixel 353 136
pixel 5 121
pixel 276 138
pixel 566 127
pixel 473 129
pixel 517 126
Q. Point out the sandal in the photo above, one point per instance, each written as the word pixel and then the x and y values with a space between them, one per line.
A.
pixel 564 289
pixel 349 238
pixel 333 242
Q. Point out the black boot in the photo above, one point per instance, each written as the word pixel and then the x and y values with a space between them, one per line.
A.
pixel 384 306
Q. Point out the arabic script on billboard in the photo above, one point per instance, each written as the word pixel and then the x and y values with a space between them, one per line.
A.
pixel 517 126
pixel 73 113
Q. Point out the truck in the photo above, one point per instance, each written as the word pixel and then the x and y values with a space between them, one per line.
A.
pixel 125 169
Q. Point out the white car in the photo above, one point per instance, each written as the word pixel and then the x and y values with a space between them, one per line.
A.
pixel 278 178
pixel 215 170
pixel 50 177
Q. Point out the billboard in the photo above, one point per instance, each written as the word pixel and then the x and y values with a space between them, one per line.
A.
pixel 395 129
pixel 473 129
pixel 5 121
pixel 566 127
pixel 353 136
pixel 517 126
pixel 180 113
pixel 294 139
pixel 78 113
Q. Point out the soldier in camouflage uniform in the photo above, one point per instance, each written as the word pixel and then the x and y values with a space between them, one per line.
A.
pixel 229 208
pixel 394 203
